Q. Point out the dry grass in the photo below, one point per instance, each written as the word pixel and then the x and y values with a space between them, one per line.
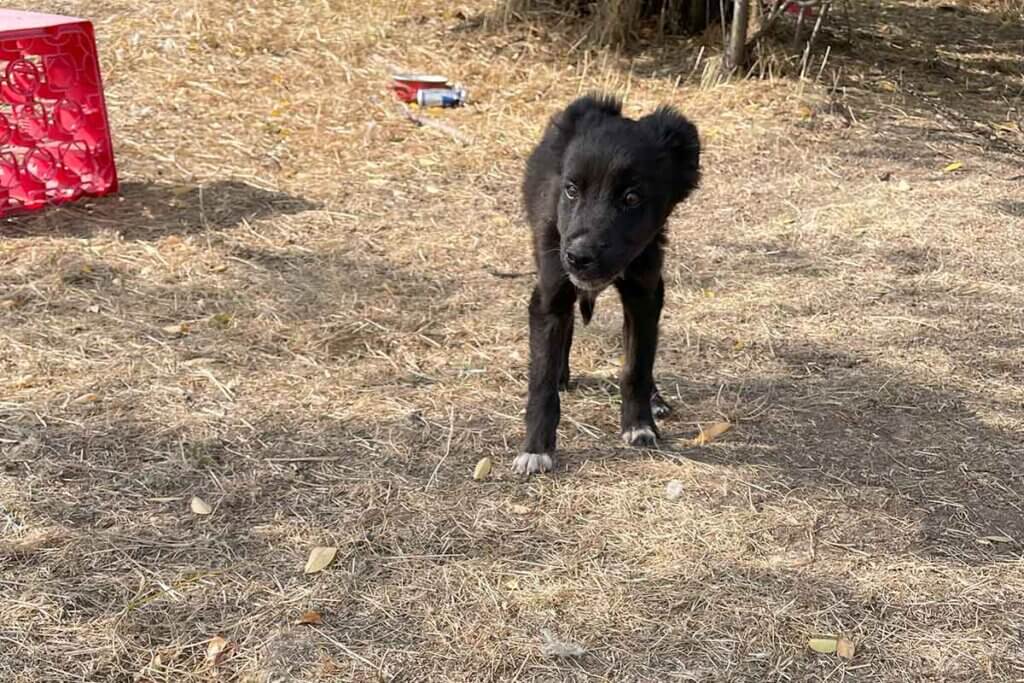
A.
pixel 353 292
pixel 609 22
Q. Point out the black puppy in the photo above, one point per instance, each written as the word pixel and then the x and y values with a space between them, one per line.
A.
pixel 598 190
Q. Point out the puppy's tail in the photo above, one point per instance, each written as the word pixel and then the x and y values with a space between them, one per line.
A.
pixel 587 301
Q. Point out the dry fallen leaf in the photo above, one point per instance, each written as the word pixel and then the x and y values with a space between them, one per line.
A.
pixel 216 649
pixel 553 647
pixel 711 432
pixel 483 469
pixel 795 559
pixel 86 398
pixel 955 166
pixel 319 558
pixel 177 328
pixel 221 320
pixel 200 506
pixel 987 540
pixel 28 544
pixel 518 509
pixel 1009 127
pixel 845 648
pixel 329 667
pixel 311 617
pixel 825 646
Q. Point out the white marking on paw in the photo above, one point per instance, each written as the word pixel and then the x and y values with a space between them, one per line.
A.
pixel 640 437
pixel 532 463
pixel 659 407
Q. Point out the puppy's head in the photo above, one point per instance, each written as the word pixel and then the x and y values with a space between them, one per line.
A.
pixel 620 179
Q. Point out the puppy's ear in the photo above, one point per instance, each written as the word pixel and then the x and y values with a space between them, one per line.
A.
pixel 586 109
pixel 582 112
pixel 681 145
pixel 542 182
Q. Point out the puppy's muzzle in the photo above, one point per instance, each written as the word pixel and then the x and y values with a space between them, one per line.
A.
pixel 582 263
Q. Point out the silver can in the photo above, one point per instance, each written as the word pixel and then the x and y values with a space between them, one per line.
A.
pixel 441 97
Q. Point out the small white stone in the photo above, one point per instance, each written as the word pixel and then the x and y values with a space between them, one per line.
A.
pixel 674 489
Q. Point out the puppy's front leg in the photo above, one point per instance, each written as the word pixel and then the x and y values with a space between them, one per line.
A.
pixel 641 305
pixel 563 380
pixel 551 311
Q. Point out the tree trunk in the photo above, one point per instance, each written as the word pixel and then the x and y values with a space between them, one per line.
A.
pixel 696 15
pixel 735 53
pixel 685 16
pixel 616 21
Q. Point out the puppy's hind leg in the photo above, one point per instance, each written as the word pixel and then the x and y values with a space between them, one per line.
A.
pixel 659 406
pixel 641 305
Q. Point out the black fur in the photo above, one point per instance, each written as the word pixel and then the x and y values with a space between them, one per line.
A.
pixel 599 188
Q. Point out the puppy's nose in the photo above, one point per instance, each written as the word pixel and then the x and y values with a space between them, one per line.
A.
pixel 578 260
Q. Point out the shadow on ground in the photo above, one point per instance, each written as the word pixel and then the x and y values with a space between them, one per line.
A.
pixel 150 211
pixel 396 499
pixel 937 75
pixel 924 76
pixel 830 422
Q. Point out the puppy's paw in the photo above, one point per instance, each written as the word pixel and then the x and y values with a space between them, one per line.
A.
pixel 659 406
pixel 533 463
pixel 641 436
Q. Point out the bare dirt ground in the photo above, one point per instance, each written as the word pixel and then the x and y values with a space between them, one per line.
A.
pixel 311 314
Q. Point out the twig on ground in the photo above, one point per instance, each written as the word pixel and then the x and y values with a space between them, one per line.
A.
pixel 428 122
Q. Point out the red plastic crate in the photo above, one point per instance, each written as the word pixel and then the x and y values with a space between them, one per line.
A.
pixel 54 136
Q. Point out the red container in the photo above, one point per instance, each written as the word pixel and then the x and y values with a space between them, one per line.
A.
pixel 407 85
pixel 54 136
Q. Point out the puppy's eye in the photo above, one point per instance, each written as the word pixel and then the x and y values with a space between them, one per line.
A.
pixel 571 191
pixel 631 199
